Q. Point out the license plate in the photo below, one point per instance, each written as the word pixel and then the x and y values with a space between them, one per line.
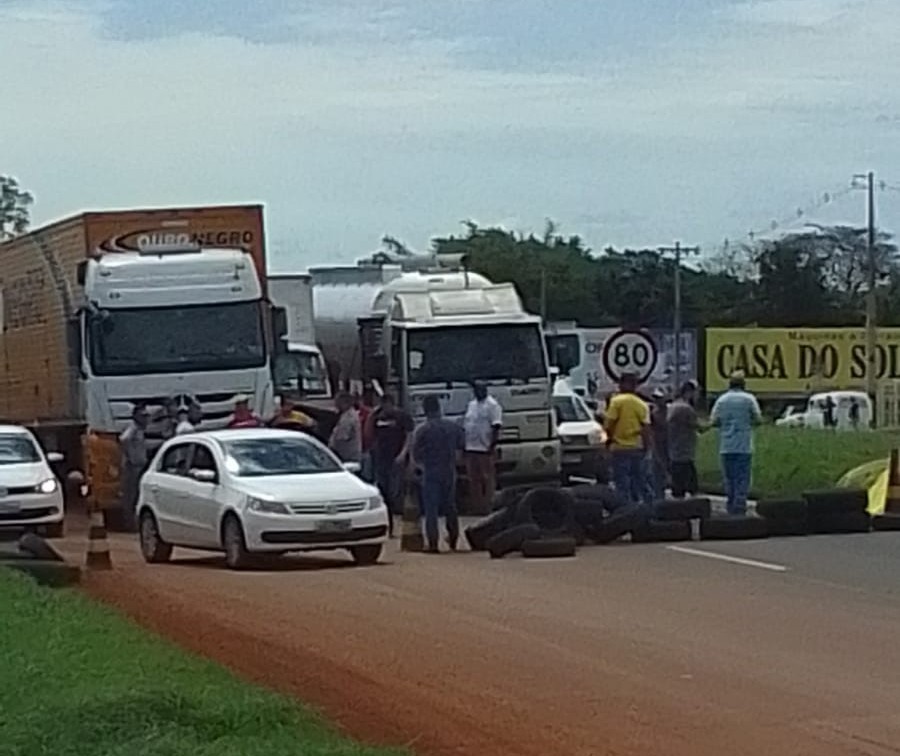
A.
pixel 7 507
pixel 571 459
pixel 333 526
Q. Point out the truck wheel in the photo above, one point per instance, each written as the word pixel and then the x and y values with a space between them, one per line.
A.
pixel 235 544
pixel 366 556
pixel 153 548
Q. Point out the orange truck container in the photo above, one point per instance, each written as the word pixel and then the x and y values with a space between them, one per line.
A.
pixel 42 297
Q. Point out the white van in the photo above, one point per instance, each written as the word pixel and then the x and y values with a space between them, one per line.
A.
pixel 814 414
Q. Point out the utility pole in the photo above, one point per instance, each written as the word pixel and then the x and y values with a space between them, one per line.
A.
pixel 872 293
pixel 678 251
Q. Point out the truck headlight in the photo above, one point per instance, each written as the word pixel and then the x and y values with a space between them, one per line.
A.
pixel 267 507
pixel 48 486
pixel 595 438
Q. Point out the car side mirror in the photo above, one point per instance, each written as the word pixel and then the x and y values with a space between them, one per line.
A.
pixel 203 476
pixel 55 457
pixel 353 467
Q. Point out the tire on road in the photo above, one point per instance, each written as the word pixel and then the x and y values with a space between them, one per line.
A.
pixel 841 522
pixel 479 533
pixel 661 531
pixel 237 557
pixel 508 497
pixel 549 548
pixel 609 499
pixel 784 526
pixel 511 540
pixel 886 523
pixel 588 514
pixel 782 509
pixel 837 501
pixel 694 508
pixel 551 509
pixel 153 548
pixel 37 547
pixel 623 522
pixel 733 528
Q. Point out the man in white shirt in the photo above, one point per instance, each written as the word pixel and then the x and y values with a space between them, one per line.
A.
pixel 482 423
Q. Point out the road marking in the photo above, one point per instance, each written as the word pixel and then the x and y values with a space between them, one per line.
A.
pixel 727 558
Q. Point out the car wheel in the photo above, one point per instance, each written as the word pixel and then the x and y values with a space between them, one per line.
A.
pixel 153 548
pixel 365 556
pixel 56 530
pixel 235 544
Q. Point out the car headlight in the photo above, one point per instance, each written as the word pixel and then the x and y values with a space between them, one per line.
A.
pixel 376 502
pixel 48 486
pixel 595 438
pixel 267 507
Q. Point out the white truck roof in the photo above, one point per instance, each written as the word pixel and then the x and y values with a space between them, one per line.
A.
pixel 193 276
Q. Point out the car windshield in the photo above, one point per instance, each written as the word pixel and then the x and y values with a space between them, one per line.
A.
pixel 262 457
pixel 178 339
pixel 569 410
pixel 17 449
pixel 463 354
pixel 301 371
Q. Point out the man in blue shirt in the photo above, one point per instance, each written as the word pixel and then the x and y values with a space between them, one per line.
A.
pixel 434 448
pixel 734 414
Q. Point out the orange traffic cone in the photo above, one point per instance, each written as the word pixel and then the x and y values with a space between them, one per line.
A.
pixel 892 497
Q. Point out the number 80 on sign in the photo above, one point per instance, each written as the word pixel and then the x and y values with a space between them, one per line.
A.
pixel 630 352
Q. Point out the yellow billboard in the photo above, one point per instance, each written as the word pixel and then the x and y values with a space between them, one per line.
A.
pixel 798 360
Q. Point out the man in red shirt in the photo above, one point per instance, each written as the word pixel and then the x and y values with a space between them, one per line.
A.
pixel 243 416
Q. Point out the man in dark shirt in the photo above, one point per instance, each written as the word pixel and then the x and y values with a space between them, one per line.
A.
pixel 435 446
pixel 388 429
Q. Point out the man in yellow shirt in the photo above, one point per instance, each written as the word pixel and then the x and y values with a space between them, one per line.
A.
pixel 627 423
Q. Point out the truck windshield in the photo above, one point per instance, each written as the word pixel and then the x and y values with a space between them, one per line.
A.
pixel 469 353
pixel 301 371
pixel 184 339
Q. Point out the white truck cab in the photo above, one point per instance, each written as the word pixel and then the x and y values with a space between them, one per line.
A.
pixel 172 323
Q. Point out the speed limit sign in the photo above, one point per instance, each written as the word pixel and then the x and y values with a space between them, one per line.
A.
pixel 630 352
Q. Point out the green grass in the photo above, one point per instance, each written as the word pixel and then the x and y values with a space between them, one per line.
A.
pixel 78 680
pixel 787 462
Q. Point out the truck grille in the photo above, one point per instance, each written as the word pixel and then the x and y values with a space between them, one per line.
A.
pixel 216 408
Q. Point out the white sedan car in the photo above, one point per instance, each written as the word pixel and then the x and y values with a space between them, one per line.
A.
pixel 256 491
pixel 30 494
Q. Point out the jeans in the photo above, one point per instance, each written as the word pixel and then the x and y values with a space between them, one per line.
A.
pixel 629 469
pixel 736 473
pixel 482 480
pixel 439 498
pixel 389 481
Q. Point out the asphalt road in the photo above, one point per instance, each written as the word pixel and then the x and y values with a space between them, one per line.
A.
pixel 788 646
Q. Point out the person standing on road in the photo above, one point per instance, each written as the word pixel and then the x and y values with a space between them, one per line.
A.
pixel 434 449
pixel 133 444
pixel 482 422
pixel 660 452
pixel 627 422
pixel 854 413
pixel 389 429
pixel 684 426
pixel 346 438
pixel 187 419
pixel 735 413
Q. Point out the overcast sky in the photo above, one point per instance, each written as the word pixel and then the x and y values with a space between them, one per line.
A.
pixel 630 122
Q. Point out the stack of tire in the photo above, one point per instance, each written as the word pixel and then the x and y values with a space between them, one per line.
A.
pixel 602 516
pixel 538 523
pixel 733 527
pixel 839 510
pixel 785 517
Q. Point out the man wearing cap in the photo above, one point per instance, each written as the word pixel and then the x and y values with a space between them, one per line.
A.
pixel 660 453
pixel 683 428
pixel 734 414
pixel 244 417
pixel 627 421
